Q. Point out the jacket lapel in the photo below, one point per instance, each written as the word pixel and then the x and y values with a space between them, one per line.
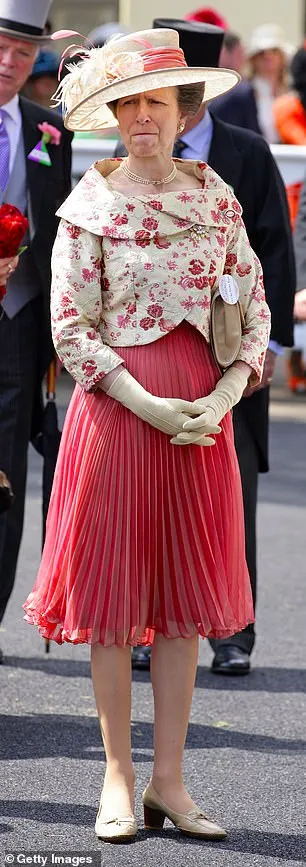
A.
pixel 224 156
pixel 36 173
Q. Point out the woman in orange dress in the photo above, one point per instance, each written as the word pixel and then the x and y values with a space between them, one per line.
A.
pixel 145 537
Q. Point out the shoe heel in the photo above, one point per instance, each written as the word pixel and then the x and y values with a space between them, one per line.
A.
pixel 153 818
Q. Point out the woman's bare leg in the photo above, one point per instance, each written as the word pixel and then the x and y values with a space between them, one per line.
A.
pixel 111 676
pixel 173 670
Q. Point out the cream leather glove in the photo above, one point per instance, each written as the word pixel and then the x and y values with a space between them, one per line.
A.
pixel 211 409
pixel 166 414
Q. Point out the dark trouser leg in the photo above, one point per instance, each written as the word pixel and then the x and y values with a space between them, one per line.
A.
pixel 18 373
pixel 248 464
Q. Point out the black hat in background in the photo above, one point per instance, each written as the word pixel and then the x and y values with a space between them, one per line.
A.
pixel 201 43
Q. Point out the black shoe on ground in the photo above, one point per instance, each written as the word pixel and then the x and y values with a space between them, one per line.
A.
pixel 1 657
pixel 141 658
pixel 231 660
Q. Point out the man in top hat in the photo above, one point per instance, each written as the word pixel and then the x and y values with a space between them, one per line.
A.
pixel 37 189
pixel 244 161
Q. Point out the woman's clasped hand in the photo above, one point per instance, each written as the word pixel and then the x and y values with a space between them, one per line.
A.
pixel 167 414
pixel 209 410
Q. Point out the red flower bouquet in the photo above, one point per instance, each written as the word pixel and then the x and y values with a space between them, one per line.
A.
pixel 13 226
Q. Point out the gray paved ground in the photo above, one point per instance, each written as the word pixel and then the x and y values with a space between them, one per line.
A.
pixel 245 755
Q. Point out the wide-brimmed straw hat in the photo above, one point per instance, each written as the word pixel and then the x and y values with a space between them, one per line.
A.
pixel 24 19
pixel 126 65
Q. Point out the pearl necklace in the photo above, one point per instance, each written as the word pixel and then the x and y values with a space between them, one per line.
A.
pixel 140 180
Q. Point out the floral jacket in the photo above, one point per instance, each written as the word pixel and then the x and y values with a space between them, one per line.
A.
pixel 126 271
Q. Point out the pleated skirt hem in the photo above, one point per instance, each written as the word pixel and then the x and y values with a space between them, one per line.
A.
pixel 55 631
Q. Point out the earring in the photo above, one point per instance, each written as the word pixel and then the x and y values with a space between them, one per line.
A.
pixel 181 126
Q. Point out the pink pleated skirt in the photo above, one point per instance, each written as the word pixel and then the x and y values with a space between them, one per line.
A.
pixel 143 536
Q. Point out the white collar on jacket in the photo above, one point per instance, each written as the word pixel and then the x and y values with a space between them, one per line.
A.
pixel 93 205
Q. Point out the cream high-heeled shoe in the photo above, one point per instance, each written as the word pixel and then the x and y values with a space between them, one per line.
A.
pixel 116 829
pixel 194 823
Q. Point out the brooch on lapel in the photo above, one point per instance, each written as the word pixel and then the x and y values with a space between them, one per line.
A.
pixel 50 135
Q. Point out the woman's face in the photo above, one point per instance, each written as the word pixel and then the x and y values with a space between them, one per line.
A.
pixel 148 121
pixel 268 64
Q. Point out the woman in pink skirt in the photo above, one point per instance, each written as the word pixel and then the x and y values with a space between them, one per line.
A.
pixel 145 536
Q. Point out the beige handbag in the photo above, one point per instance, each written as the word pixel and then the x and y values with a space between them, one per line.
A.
pixel 226 324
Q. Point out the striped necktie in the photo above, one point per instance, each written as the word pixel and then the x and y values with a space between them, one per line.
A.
pixel 4 152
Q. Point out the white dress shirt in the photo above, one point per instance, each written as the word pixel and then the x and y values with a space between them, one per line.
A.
pixel 197 141
pixel 264 101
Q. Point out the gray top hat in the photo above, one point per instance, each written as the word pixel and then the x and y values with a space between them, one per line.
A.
pixel 24 19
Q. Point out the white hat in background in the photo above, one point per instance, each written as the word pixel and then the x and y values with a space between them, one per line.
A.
pixel 268 36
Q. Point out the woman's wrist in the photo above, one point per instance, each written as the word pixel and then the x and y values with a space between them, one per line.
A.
pixel 244 367
pixel 108 380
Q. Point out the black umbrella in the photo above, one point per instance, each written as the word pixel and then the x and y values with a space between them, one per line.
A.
pixel 51 441
pixel 47 443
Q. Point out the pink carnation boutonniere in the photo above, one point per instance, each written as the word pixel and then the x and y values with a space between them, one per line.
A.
pixel 50 135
